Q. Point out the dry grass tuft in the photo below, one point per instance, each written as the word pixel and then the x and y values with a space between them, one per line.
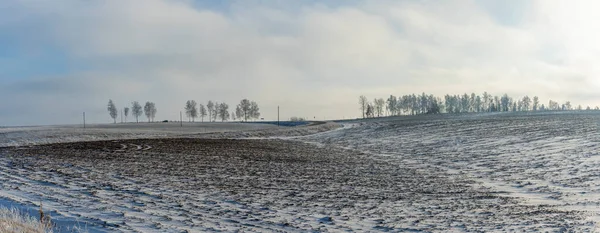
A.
pixel 12 220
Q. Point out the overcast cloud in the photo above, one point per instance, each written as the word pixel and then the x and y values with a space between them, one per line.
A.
pixel 60 58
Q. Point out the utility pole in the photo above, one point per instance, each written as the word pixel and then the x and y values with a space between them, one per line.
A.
pixel 277 115
pixel 180 119
pixel 84 120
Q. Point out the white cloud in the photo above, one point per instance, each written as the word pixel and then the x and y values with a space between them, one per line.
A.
pixel 314 59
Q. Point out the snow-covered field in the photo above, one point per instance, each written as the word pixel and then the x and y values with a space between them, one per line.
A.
pixel 487 172
pixel 36 135
pixel 548 160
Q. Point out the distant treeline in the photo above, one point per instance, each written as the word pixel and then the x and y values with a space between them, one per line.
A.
pixel 429 104
pixel 136 110
pixel 245 110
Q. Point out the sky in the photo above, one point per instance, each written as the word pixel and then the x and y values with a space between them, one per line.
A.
pixel 312 58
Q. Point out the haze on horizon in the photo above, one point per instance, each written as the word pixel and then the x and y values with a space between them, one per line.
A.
pixel 312 58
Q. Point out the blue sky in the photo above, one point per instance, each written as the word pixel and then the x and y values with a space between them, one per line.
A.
pixel 58 59
pixel 23 57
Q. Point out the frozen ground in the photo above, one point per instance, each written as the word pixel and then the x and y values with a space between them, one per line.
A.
pixel 40 135
pixel 542 159
pixel 429 173
pixel 36 135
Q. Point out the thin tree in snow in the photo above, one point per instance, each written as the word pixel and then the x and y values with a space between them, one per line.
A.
pixel 215 112
pixel 223 112
pixel 150 111
pixel 244 109
pixel 391 107
pixel 363 102
pixel 379 106
pixel 239 113
pixel 254 110
pixel 210 107
pixel 369 112
pixel 190 110
pixel 136 110
pixel 112 110
pixel 202 111
pixel 126 112
pixel 526 103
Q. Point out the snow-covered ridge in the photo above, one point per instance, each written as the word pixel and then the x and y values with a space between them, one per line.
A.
pixel 280 132
pixel 541 159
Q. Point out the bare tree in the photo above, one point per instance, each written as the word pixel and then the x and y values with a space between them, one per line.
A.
pixel 254 110
pixel 567 106
pixel 239 113
pixel 536 103
pixel 244 109
pixel 112 110
pixel 363 102
pixel 369 110
pixel 504 103
pixel 210 106
pixel 553 105
pixel 223 112
pixel 215 112
pixel 392 102
pixel 136 110
pixel 150 111
pixel 486 106
pixel 379 106
pixel 153 112
pixel 190 110
pixel 126 111
pixel 526 103
pixel 194 112
pixel 202 111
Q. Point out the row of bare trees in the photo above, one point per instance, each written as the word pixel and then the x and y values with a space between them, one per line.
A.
pixel 136 110
pixel 245 110
pixel 430 104
pixel 371 109
pixel 214 110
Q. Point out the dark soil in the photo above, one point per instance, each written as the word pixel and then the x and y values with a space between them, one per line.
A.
pixel 284 185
